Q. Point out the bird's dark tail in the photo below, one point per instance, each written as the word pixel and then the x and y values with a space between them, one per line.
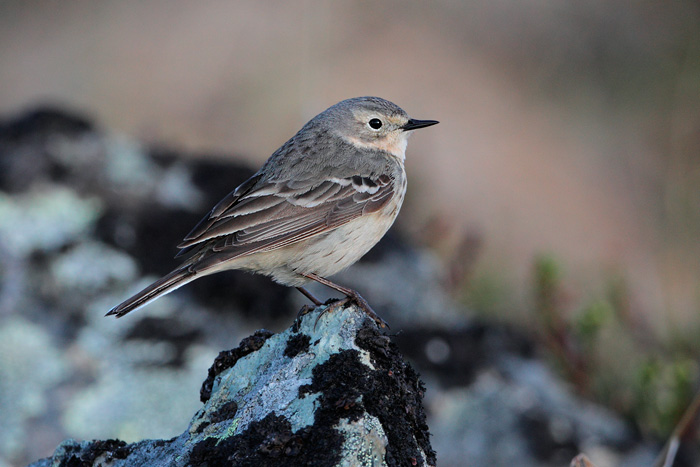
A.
pixel 162 286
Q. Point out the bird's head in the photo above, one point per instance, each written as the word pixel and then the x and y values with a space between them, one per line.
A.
pixel 372 123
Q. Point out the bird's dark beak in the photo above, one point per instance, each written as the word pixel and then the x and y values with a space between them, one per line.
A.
pixel 413 124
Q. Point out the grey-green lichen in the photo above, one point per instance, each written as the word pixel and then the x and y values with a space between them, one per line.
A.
pixel 44 219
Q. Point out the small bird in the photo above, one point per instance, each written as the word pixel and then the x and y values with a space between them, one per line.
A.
pixel 318 204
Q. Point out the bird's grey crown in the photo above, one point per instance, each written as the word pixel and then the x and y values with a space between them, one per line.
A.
pixel 342 115
pixel 369 103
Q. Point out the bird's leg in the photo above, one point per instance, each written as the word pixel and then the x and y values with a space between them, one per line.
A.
pixel 352 296
pixel 310 296
pixel 306 308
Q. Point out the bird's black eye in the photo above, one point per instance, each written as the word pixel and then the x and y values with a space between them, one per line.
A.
pixel 375 124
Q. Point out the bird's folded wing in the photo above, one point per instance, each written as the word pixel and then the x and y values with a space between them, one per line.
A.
pixel 264 217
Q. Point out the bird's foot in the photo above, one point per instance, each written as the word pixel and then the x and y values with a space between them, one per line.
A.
pixel 361 303
pixel 333 304
pixel 364 306
pixel 351 295
pixel 305 310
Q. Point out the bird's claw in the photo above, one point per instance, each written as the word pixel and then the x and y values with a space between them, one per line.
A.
pixel 333 304
pixel 361 304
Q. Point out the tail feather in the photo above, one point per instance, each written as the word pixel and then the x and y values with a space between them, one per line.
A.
pixel 162 286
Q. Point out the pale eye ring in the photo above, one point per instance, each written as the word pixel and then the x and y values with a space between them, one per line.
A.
pixel 375 124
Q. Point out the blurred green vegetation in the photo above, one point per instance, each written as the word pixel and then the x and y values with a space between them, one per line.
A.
pixel 596 343
pixel 596 334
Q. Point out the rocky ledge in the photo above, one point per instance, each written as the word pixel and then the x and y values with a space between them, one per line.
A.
pixel 329 390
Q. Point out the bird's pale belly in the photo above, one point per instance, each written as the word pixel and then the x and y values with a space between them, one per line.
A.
pixel 341 247
pixel 325 254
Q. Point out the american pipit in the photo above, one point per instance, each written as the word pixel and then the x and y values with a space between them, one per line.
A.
pixel 318 204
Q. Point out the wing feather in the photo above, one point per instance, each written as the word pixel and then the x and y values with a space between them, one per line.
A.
pixel 267 216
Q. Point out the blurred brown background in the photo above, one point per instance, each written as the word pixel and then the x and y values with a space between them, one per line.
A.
pixel 568 129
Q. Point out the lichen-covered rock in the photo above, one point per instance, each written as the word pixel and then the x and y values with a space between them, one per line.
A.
pixel 331 391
